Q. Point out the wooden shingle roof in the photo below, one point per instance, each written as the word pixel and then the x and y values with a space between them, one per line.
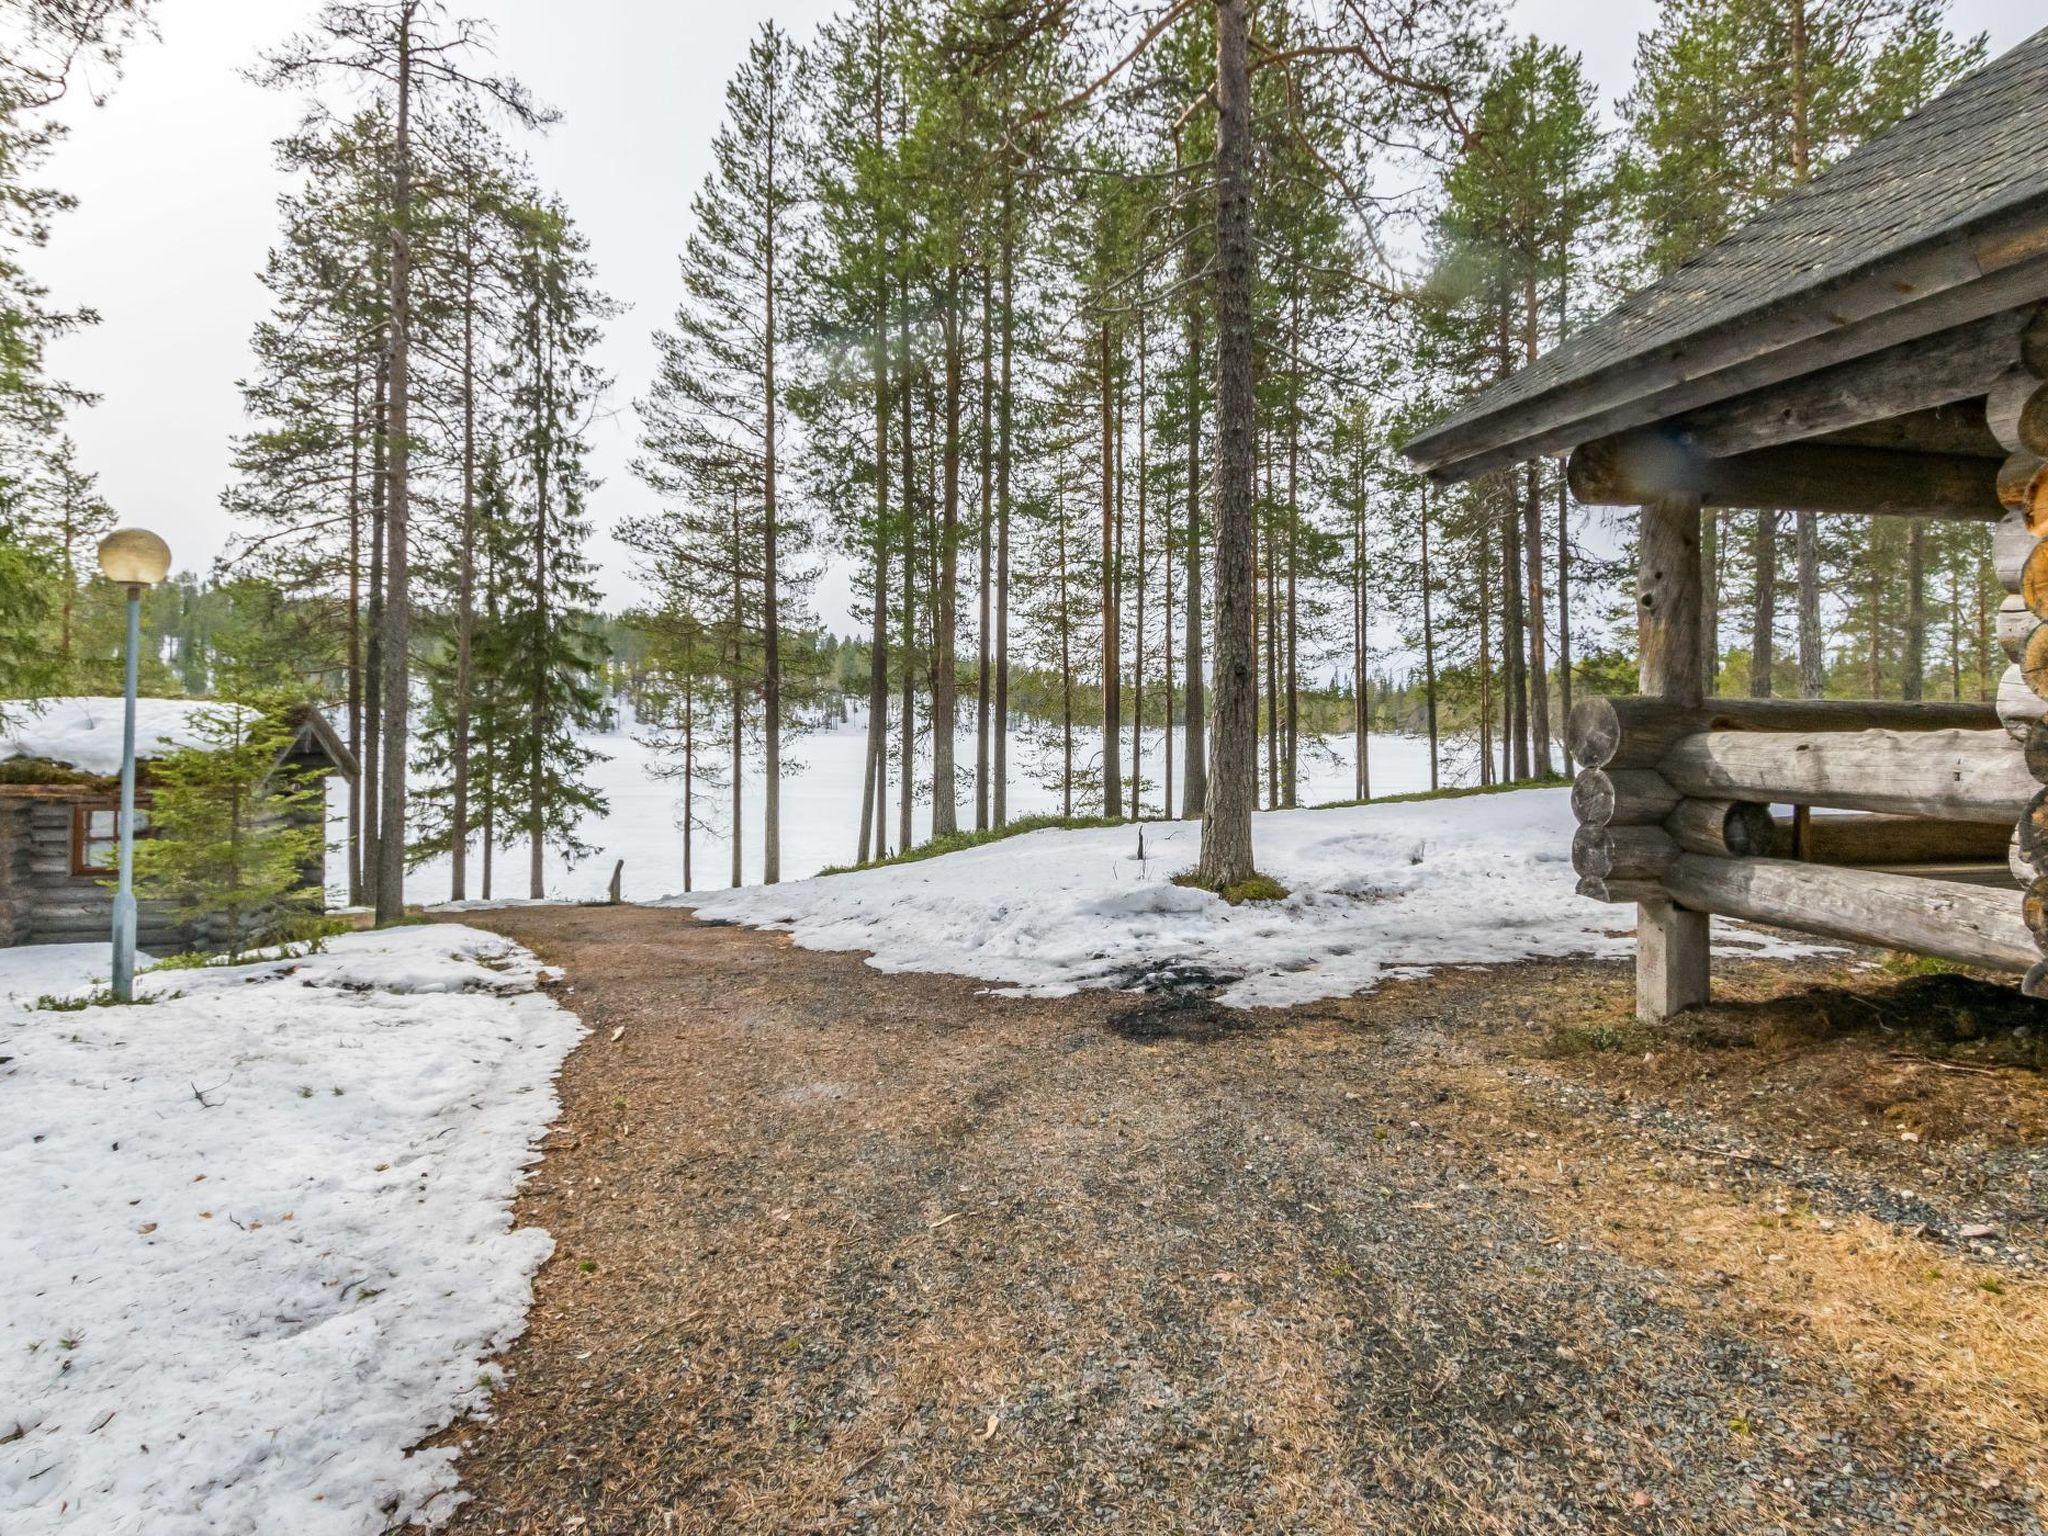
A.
pixel 1973 158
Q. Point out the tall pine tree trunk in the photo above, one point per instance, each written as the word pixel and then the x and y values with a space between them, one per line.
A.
pixel 1514 636
pixel 1429 651
pixel 1564 598
pixel 689 759
pixel 1112 684
pixel 1272 644
pixel 771 607
pixel 1194 746
pixel 946 603
pixel 1710 597
pixel 537 700
pixel 907 480
pixel 1290 784
pixel 1913 679
pixel 465 597
pixel 1226 858
pixel 371 763
pixel 1764 621
pixel 397 616
pixel 1808 526
pixel 1001 766
pixel 1539 672
pixel 737 703
pixel 1138 624
pixel 1166 631
pixel 873 799
pixel 1066 675
pixel 981 635
pixel 355 636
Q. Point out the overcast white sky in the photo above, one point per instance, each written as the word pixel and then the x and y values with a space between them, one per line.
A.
pixel 177 187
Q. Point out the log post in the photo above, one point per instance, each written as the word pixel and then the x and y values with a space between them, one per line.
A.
pixel 1671 941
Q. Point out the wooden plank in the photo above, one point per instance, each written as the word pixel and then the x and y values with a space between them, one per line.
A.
pixel 1970 924
pixel 1956 365
pixel 1816 477
pixel 1955 775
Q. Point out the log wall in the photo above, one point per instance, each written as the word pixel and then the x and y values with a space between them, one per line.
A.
pixel 2016 411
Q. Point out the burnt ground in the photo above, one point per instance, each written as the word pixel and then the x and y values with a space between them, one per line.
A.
pixel 843 1251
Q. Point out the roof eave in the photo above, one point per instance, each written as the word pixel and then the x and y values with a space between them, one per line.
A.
pixel 1952 275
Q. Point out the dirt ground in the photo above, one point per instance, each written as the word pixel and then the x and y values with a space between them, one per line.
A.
pixel 840 1251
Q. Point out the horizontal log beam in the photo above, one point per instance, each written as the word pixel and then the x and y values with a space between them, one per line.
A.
pixel 1621 890
pixel 1955 365
pixel 1634 731
pixel 1629 470
pixel 1970 924
pixel 1860 839
pixel 1955 775
pixel 1726 828
pixel 1622 853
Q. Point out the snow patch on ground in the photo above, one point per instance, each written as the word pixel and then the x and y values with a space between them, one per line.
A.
pixel 32 971
pixel 1374 890
pixel 85 733
pixel 257 1235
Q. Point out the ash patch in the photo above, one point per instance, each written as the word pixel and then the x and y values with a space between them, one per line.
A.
pixel 1180 1004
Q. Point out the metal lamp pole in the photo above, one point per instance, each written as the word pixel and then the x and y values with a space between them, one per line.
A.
pixel 135 558
pixel 124 892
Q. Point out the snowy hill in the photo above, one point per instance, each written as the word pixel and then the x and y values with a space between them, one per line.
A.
pixel 1374 890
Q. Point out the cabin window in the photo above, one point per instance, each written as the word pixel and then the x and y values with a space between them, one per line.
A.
pixel 96 837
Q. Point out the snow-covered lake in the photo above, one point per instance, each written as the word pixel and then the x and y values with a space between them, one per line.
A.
pixel 821 810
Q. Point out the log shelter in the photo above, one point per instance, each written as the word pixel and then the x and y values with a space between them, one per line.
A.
pixel 1874 344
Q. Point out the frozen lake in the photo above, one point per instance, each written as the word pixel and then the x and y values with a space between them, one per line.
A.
pixel 820 810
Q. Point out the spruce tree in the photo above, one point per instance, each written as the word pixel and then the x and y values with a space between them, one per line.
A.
pixel 234 832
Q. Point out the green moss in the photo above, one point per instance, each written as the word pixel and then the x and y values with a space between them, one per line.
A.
pixel 1252 888
pixel 954 842
pixel 33 770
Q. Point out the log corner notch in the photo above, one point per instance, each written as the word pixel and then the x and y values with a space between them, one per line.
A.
pixel 2016 411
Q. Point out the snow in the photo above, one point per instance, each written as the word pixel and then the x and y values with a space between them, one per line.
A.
pixel 85 733
pixel 32 971
pixel 821 787
pixel 1375 890
pixel 257 1236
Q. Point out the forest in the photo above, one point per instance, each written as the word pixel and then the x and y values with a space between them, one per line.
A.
pixel 1083 335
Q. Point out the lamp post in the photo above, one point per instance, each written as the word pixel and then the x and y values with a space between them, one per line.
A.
pixel 133 558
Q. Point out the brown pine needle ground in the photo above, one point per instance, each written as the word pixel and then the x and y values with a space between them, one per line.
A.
pixel 840 1251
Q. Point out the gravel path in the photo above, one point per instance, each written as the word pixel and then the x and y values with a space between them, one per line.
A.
pixel 840 1251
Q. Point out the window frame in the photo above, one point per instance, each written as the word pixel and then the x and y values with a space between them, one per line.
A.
pixel 81 839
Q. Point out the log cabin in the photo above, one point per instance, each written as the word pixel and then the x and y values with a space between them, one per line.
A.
pixel 60 795
pixel 1874 345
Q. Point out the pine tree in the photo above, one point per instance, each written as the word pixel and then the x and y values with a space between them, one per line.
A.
pixel 407 51
pixel 711 423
